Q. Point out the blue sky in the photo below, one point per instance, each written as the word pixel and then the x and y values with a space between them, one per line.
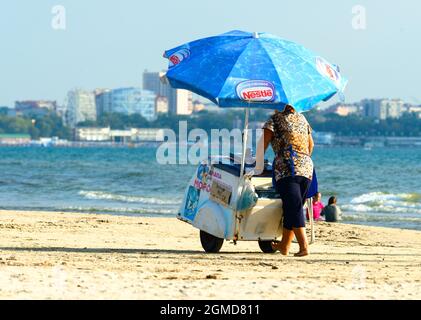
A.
pixel 110 43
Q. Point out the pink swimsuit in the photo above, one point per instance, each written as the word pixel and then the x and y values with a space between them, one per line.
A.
pixel 317 210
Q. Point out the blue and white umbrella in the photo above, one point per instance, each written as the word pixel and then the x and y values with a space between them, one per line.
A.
pixel 258 70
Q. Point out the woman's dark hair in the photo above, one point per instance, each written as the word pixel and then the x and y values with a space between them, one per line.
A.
pixel 288 107
pixel 332 200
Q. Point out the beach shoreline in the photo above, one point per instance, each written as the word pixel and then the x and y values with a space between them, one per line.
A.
pixel 52 255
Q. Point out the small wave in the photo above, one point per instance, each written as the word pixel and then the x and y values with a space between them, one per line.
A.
pixel 378 218
pixel 356 208
pixel 99 210
pixel 100 195
pixel 375 197
pixel 165 212
pixel 413 197
pixel 386 202
pixel 380 208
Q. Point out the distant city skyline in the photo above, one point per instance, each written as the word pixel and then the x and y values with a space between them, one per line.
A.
pixel 109 45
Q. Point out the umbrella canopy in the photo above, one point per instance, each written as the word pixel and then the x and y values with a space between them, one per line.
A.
pixel 260 70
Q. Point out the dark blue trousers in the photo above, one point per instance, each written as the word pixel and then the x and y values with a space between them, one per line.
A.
pixel 293 192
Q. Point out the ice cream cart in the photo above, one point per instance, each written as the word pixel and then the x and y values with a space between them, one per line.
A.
pixel 211 205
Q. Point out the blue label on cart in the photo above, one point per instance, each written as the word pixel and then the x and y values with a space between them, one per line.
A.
pixel 192 201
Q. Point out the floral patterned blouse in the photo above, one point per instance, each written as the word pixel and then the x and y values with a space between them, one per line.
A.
pixel 290 143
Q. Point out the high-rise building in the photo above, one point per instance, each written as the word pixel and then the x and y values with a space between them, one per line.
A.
pixel 161 105
pixel 179 101
pixel 80 107
pixel 152 81
pixel 128 101
pixel 395 108
pixel 383 108
pixel 103 101
pixel 134 100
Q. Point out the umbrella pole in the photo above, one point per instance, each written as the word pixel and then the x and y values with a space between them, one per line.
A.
pixel 245 137
pixel 242 168
pixel 311 217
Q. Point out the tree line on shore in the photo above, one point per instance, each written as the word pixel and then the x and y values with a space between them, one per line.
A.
pixel 50 125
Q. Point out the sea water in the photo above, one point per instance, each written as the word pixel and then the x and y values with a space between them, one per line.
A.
pixel 379 187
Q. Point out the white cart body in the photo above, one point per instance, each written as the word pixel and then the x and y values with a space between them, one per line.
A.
pixel 210 201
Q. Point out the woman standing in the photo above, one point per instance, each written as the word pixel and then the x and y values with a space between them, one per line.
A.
pixel 291 139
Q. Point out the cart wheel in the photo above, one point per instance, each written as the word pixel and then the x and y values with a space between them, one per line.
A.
pixel 266 246
pixel 210 243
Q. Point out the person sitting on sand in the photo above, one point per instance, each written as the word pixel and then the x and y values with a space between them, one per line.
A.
pixel 332 212
pixel 317 207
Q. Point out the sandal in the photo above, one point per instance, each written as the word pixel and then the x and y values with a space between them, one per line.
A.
pixel 301 254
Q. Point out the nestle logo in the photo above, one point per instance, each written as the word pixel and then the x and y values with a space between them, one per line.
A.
pixel 178 57
pixel 256 91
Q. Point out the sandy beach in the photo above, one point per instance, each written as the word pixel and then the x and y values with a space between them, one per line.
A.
pixel 47 255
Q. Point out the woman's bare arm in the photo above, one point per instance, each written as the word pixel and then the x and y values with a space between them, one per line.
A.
pixel 268 135
pixel 310 144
